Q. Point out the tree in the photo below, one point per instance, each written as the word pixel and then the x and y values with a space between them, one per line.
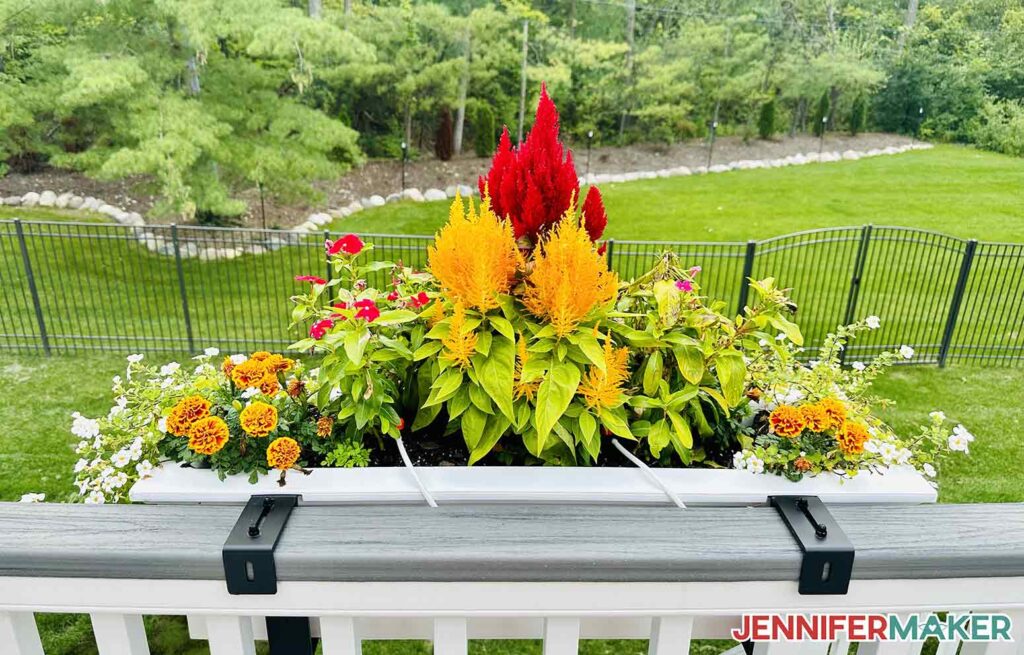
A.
pixel 443 136
pixel 819 118
pixel 483 129
pixel 766 120
pixel 858 115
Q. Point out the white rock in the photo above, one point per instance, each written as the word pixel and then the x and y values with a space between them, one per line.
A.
pixel 354 206
pixel 682 170
pixel 47 199
pixel 30 199
pixel 631 176
pixel 133 218
pixel 188 249
pixel 434 194
pixel 413 194
pixel 618 178
pixel 466 190
pixel 319 219
pixel 450 191
pixel 393 197
pixel 13 201
pixel 600 178
pixel 339 212
pixel 62 200
pixel 376 201
pixel 75 202
pixel 663 172
pixel 851 155
pixel 718 168
pixel 700 170
pixel 255 250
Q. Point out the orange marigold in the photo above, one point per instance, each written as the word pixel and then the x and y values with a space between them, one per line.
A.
pixel 249 373
pixel 282 453
pixel 474 256
pixel 787 421
pixel 296 387
pixel 569 278
pixel 523 389
pixel 188 410
pixel 227 366
pixel 459 344
pixel 208 435
pixel 258 419
pixel 836 411
pixel 851 437
pixel 260 355
pixel 324 425
pixel 269 386
pixel 816 417
pixel 603 389
pixel 278 364
pixel 802 464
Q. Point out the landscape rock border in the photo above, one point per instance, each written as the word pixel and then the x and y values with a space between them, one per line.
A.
pixel 316 222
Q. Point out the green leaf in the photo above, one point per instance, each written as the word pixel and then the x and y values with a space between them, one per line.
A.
pixel 496 372
pixel 503 326
pixel 590 346
pixel 719 398
pixel 428 349
pixel 615 422
pixel 458 403
pixel 732 373
pixel 554 395
pixel 682 438
pixel 652 373
pixel 444 387
pixel 483 343
pixel 690 362
pixel 480 399
pixel 788 328
pixel 473 423
pixel 396 317
pixel 355 345
pixel 496 426
pixel 659 437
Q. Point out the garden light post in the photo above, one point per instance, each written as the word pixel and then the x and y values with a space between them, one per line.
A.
pixel 405 158
pixel 711 141
pixel 590 140
pixel 821 139
pixel 917 129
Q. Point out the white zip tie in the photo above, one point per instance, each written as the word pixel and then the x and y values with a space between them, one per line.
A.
pixel 415 476
pixel 650 474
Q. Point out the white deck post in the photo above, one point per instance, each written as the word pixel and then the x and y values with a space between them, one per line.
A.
pixel 670 635
pixel 18 633
pixel 230 635
pixel 340 636
pixel 120 634
pixel 561 636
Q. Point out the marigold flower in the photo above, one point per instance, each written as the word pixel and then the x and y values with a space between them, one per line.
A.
pixel 802 464
pixel 260 355
pixel 296 387
pixel 787 421
pixel 208 435
pixel 522 389
pixel 324 426
pixel 569 279
pixel 270 385
pixel 851 437
pixel 258 419
pixel 188 410
pixel 310 278
pixel 349 244
pixel 474 256
pixel 227 366
pixel 249 373
pixel 459 345
pixel 836 411
pixel 816 417
pixel 603 389
pixel 278 364
pixel 282 453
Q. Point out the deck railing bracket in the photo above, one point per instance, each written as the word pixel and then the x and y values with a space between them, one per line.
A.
pixel 827 552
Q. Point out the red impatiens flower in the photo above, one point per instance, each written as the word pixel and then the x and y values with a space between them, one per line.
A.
pixel 393 296
pixel 366 309
pixel 349 244
pixel 310 278
pixel 533 185
pixel 320 328
pixel 419 300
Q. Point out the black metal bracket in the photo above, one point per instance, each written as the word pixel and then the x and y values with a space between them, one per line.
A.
pixel 249 567
pixel 828 553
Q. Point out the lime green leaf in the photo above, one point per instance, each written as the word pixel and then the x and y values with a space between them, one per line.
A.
pixel 483 343
pixel 659 437
pixel 681 436
pixel 652 373
pixel 444 387
pixel 355 345
pixel 690 362
pixel 732 372
pixel 496 426
pixel 480 399
pixel 502 326
pixel 555 394
pixel 396 317
pixel 496 371
pixel 719 398
pixel 592 349
pixel 428 349
pixel 788 328
pixel 615 422
pixel 473 423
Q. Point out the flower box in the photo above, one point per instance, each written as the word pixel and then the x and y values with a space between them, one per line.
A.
pixel 532 484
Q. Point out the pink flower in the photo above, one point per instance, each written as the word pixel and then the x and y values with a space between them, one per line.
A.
pixel 419 300
pixel 310 278
pixel 367 309
pixel 349 244
pixel 684 285
pixel 694 270
pixel 320 328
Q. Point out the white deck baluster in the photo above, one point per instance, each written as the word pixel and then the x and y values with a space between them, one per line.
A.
pixel 120 634
pixel 561 636
pixel 230 635
pixel 19 634
pixel 450 636
pixel 340 636
pixel 670 635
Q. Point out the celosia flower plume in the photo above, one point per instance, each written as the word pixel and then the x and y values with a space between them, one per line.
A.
pixel 603 389
pixel 460 344
pixel 474 256
pixel 533 185
pixel 569 278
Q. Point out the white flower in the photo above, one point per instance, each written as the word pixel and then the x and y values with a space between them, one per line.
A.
pixel 252 391
pixel 888 452
pixel 872 445
pixel 144 468
pixel 166 382
pixel 929 470
pixel 170 369
pixel 738 461
pixel 135 359
pixel 238 359
pixel 959 444
pixel 906 352
pixel 755 465
pixel 95 497
pixel 335 393
pixel 82 485
pixel 858 366
pixel 107 472
pixel 211 352
pixel 162 424
pixel 84 428
pixel 937 416
pixel 873 322
pixel 135 450
pixel 763 343
pixel 121 459
pixel 32 498
pixel 962 431
pixel 119 480
pixel 82 447
pixel 903 456
pixel 315 373
pixel 81 465
pixel 781 336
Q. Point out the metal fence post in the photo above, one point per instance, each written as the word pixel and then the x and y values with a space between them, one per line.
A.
pixel 748 271
pixel 858 273
pixel 609 245
pixel 32 286
pixel 958 296
pixel 181 288
pixel 327 258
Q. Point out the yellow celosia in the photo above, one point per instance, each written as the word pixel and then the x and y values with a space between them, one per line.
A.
pixel 459 345
pixel 523 389
pixel 603 389
pixel 474 256
pixel 569 278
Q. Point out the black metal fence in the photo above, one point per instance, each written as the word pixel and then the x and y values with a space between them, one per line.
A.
pixel 67 287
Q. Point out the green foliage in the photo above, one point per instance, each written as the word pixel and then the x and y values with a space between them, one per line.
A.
pixel 348 454
pixel 443 137
pixel 1000 127
pixel 484 131
pixel 766 120
pixel 858 115
pixel 819 118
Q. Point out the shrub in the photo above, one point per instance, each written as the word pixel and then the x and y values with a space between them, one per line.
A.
pixel 483 144
pixel 858 115
pixel 766 121
pixel 1000 127
pixel 820 114
pixel 443 138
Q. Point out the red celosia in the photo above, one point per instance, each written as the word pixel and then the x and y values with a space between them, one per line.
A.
pixel 533 185
pixel 310 278
pixel 349 244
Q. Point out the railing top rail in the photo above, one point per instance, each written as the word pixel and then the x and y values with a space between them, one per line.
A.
pixel 507 543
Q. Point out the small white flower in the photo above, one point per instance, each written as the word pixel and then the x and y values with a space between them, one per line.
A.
pixel 135 359
pixel 781 336
pixel 888 452
pixel 929 470
pixel 858 366
pixel 162 424
pixel 95 497
pixel 872 445
pixel 82 485
pixel 135 450
pixel 763 343
pixel 144 468
pixel 170 369
pixel 238 359
pixel 335 393
pixel 754 464
pixel 119 480
pixel 738 461
pixel 961 431
pixel 873 322
pixel 937 416
pixel 32 498
pixel 959 444
pixel 211 352
pixel 166 382
pixel 906 352
pixel 903 456
pixel 121 459
pixel 84 428
pixel 107 472
pixel 82 447
pixel 81 465
pixel 250 392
